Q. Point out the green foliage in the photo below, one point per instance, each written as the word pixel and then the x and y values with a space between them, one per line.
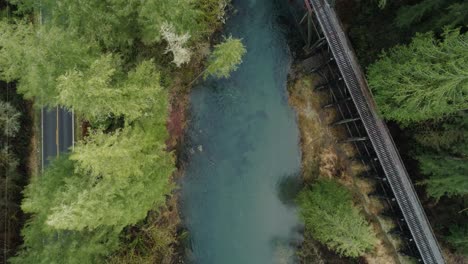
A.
pixel 121 23
pixel 36 58
pixel 448 134
pixel 435 13
pixel 44 244
pixel 382 3
pixel 332 219
pixel 225 58
pixel 151 241
pixel 9 119
pixel 447 174
pixel 93 193
pixel 458 238
pixel 425 80
pixel 104 90
pixel 442 154
pixel 182 14
pixel 91 57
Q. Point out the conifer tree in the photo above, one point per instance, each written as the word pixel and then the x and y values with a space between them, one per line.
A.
pixel 9 119
pixel 37 57
pixel 425 80
pixel 435 13
pixel 330 216
pixel 225 58
pixel 104 89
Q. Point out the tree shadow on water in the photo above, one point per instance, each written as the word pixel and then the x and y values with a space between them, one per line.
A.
pixel 288 187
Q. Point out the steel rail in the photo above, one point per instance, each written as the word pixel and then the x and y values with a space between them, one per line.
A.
pixel 379 135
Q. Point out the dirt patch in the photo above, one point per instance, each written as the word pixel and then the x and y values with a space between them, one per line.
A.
pixel 34 157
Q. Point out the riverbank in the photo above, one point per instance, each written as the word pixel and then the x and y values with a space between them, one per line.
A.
pixel 323 157
pixel 241 149
pixel 161 238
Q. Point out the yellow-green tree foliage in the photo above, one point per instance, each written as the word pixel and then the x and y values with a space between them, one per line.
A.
pixel 44 244
pixel 36 57
pixel 225 58
pixel 120 23
pixel 330 216
pixel 105 90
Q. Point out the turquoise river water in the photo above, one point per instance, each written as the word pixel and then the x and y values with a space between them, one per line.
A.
pixel 243 151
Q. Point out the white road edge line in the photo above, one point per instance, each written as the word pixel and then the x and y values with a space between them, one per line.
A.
pixel 42 139
pixel 73 129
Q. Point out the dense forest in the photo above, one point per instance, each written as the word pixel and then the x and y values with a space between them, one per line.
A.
pixel 125 67
pixel 416 55
pixel 119 65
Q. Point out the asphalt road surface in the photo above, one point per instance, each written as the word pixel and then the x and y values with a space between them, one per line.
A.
pixel 57 133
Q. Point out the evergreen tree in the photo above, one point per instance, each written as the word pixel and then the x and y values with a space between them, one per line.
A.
pixel 118 24
pixel 37 57
pixel 448 134
pixel 442 152
pixel 458 238
pixel 43 243
pixel 110 181
pixel 225 58
pixel 332 219
pixel 434 13
pixel 447 174
pixel 425 80
pixel 104 90
pixel 9 119
pixel 183 15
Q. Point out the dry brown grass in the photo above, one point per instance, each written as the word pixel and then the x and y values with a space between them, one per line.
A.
pixel 332 165
pixel 313 132
pixel 322 156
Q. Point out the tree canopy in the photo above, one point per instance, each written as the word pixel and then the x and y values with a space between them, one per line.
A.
pixel 36 57
pixel 9 119
pixel 455 12
pixel 106 90
pixel 458 238
pixel 425 80
pixel 442 152
pixel 43 243
pixel 225 58
pixel 118 24
pixel 329 214
pixel 104 60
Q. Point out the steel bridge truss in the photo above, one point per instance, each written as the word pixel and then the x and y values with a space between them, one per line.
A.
pixel 350 96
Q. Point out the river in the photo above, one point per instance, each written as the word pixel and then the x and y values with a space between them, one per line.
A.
pixel 243 151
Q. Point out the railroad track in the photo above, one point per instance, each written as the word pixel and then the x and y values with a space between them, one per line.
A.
pixel 378 134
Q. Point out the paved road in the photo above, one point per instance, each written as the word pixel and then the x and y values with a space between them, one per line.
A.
pixel 57 133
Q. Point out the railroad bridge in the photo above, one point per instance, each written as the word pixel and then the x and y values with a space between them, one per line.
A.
pixel 349 93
